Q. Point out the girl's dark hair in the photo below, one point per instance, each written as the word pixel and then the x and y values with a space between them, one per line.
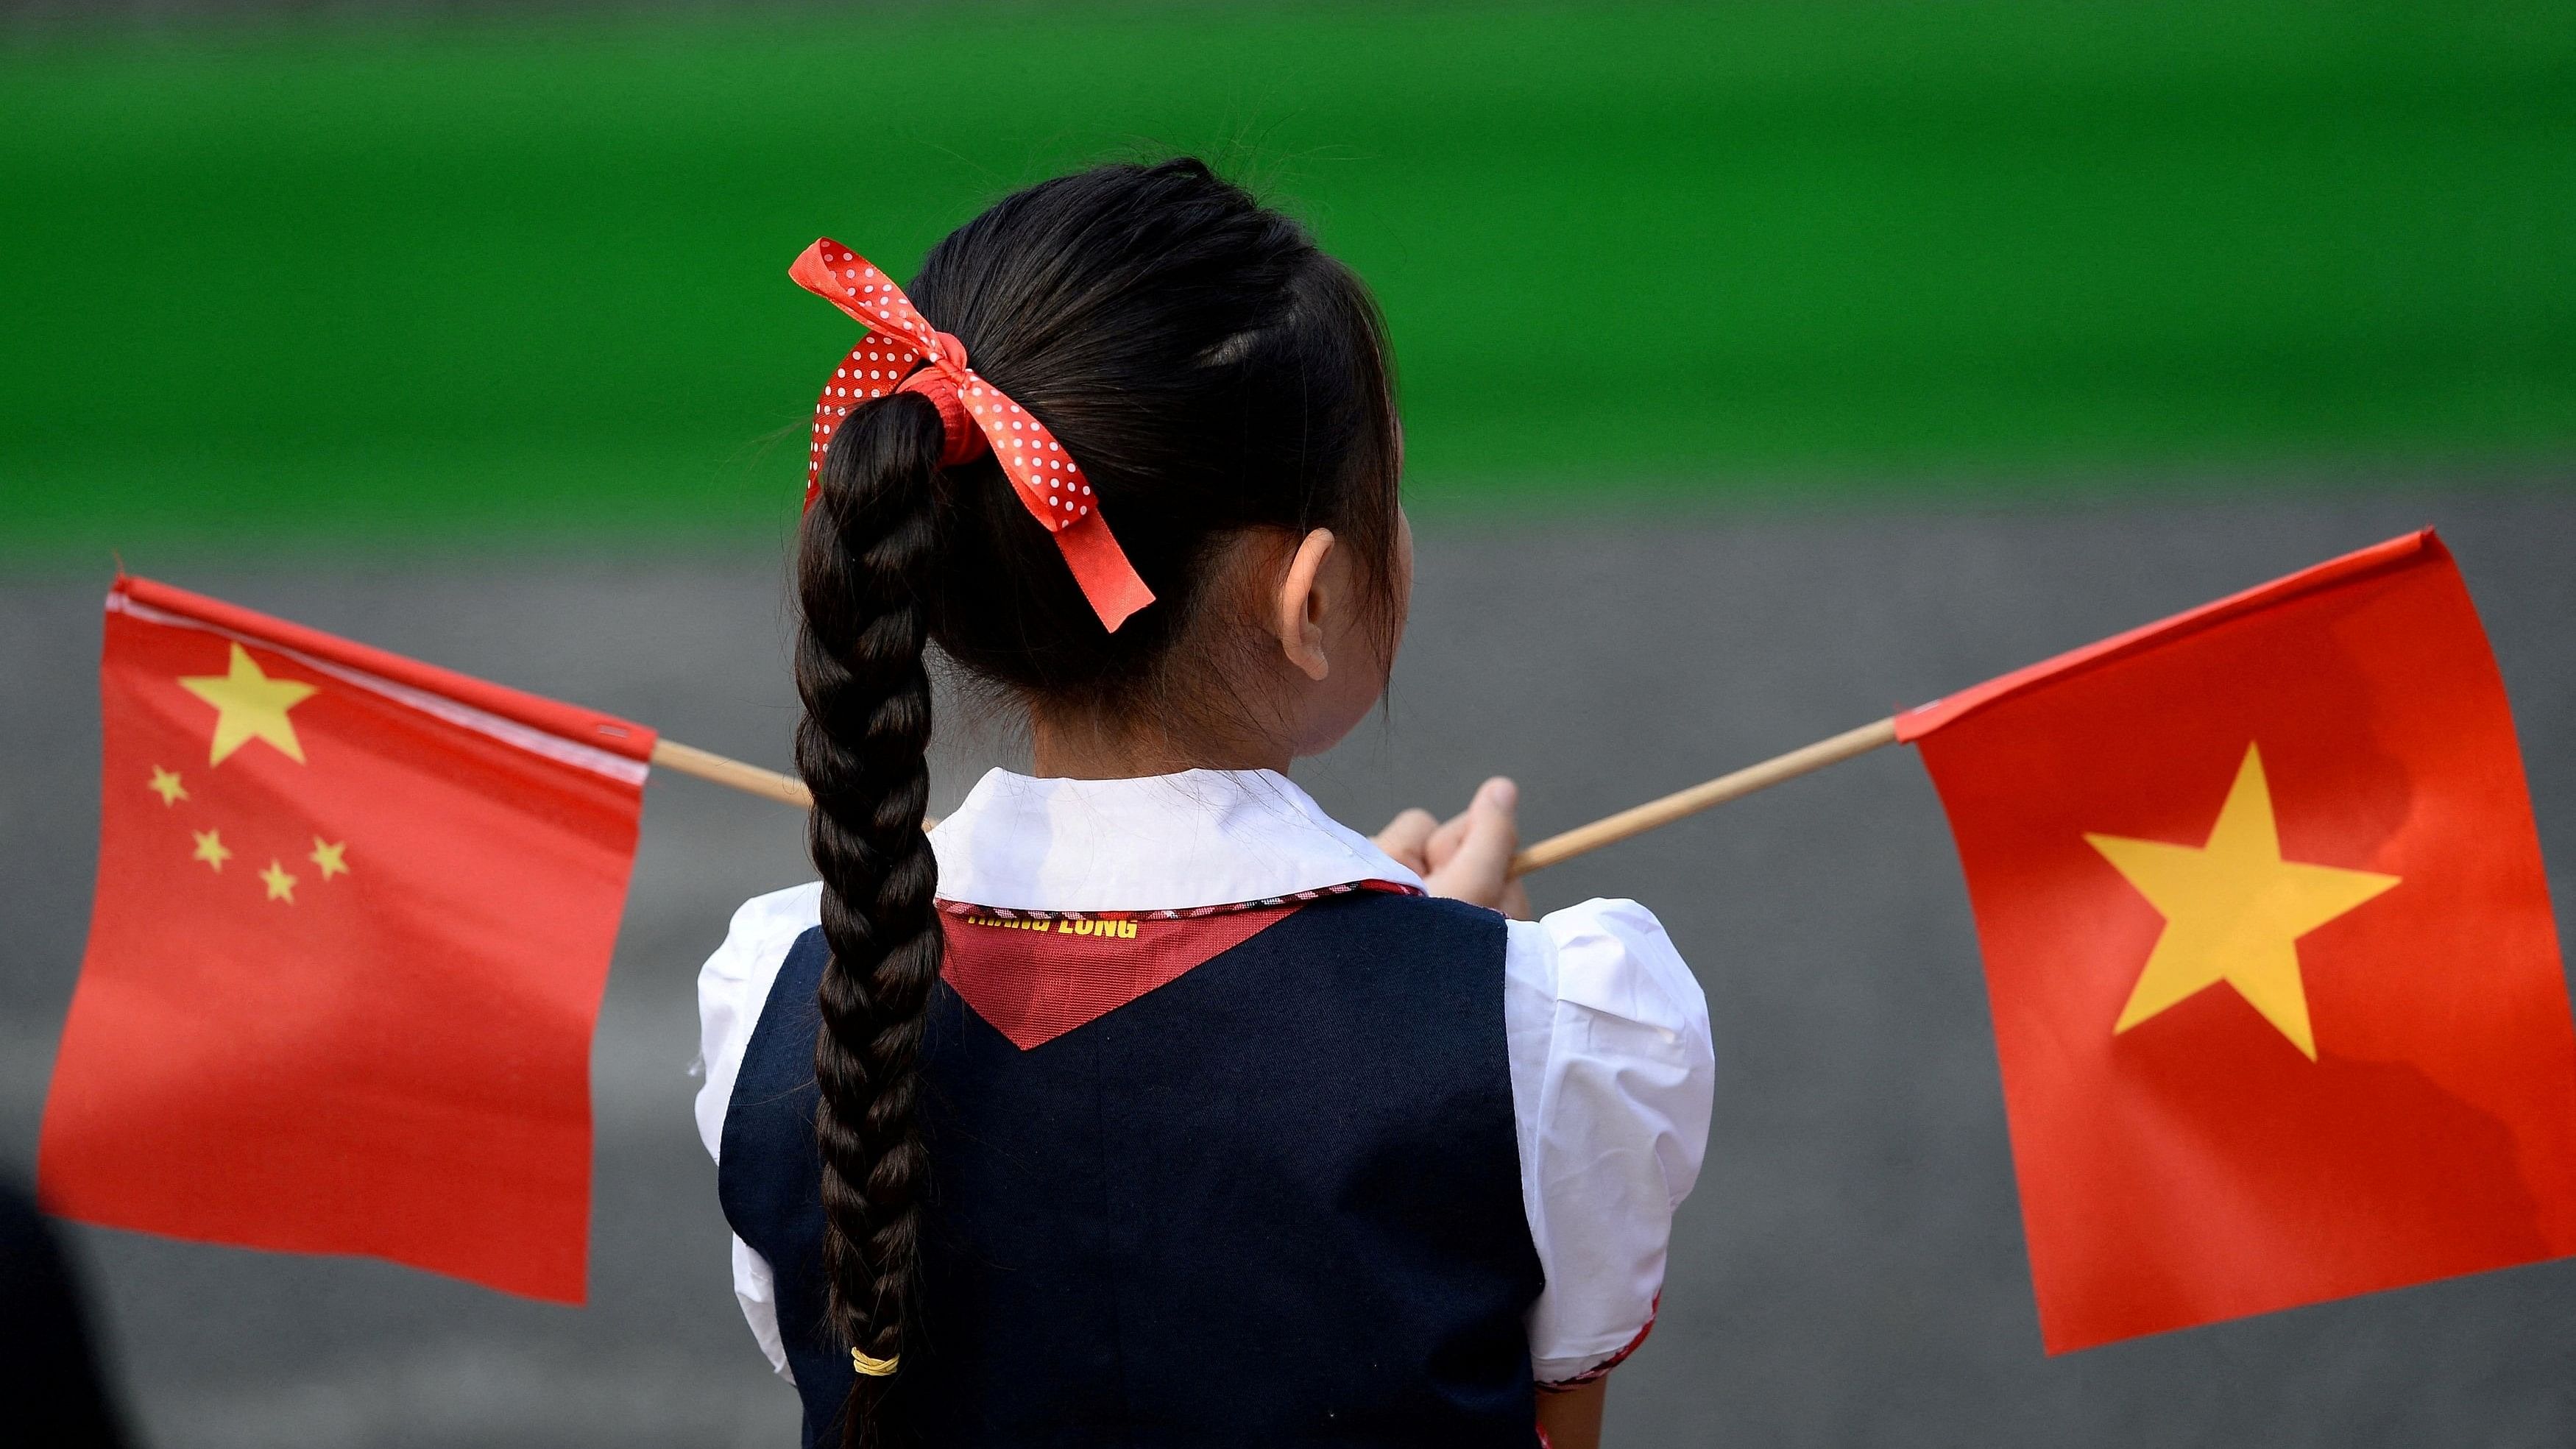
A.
pixel 1215 374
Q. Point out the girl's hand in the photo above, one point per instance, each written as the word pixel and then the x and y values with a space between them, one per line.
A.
pixel 1469 856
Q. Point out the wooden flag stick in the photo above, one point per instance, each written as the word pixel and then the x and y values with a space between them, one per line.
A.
pixel 788 790
pixel 708 765
pixel 1642 818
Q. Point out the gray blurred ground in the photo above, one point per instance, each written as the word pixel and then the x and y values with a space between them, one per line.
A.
pixel 1850 1270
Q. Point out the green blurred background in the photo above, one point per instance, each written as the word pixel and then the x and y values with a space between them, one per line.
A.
pixel 490 281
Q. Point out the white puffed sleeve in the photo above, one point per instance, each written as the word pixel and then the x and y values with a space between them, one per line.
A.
pixel 732 988
pixel 1612 1073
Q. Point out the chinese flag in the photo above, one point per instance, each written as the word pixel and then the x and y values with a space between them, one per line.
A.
pixel 352 926
pixel 2269 950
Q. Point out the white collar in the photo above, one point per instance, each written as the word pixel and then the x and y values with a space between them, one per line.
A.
pixel 1163 842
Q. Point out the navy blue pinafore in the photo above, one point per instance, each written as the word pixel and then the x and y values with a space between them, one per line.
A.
pixel 1272 1200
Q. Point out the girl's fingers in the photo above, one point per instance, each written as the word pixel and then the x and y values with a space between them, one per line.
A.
pixel 1407 837
pixel 1444 841
pixel 1472 854
pixel 1491 834
pixel 1469 856
pixel 1496 793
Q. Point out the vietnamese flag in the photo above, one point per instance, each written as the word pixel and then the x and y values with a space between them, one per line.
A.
pixel 2269 950
pixel 352 926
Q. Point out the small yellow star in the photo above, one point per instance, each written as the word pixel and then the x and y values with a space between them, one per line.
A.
pixel 281 886
pixel 249 706
pixel 165 783
pixel 330 858
pixel 210 849
pixel 2234 910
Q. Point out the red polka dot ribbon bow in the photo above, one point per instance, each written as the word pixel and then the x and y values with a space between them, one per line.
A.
pixel 1050 484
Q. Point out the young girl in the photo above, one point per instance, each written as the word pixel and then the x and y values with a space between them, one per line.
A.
pixel 1140 1102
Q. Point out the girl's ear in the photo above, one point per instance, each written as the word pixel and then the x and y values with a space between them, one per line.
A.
pixel 1305 599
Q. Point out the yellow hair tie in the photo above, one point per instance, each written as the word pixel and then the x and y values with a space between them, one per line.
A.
pixel 875 1368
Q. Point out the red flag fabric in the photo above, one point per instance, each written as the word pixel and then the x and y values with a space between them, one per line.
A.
pixel 2268 944
pixel 351 931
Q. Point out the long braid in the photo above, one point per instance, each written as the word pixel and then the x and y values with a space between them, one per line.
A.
pixel 867 549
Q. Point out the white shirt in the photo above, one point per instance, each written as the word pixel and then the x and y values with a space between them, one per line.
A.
pixel 1606 1030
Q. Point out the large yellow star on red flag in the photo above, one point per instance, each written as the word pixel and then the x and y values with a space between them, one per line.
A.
pixel 249 706
pixel 2234 910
